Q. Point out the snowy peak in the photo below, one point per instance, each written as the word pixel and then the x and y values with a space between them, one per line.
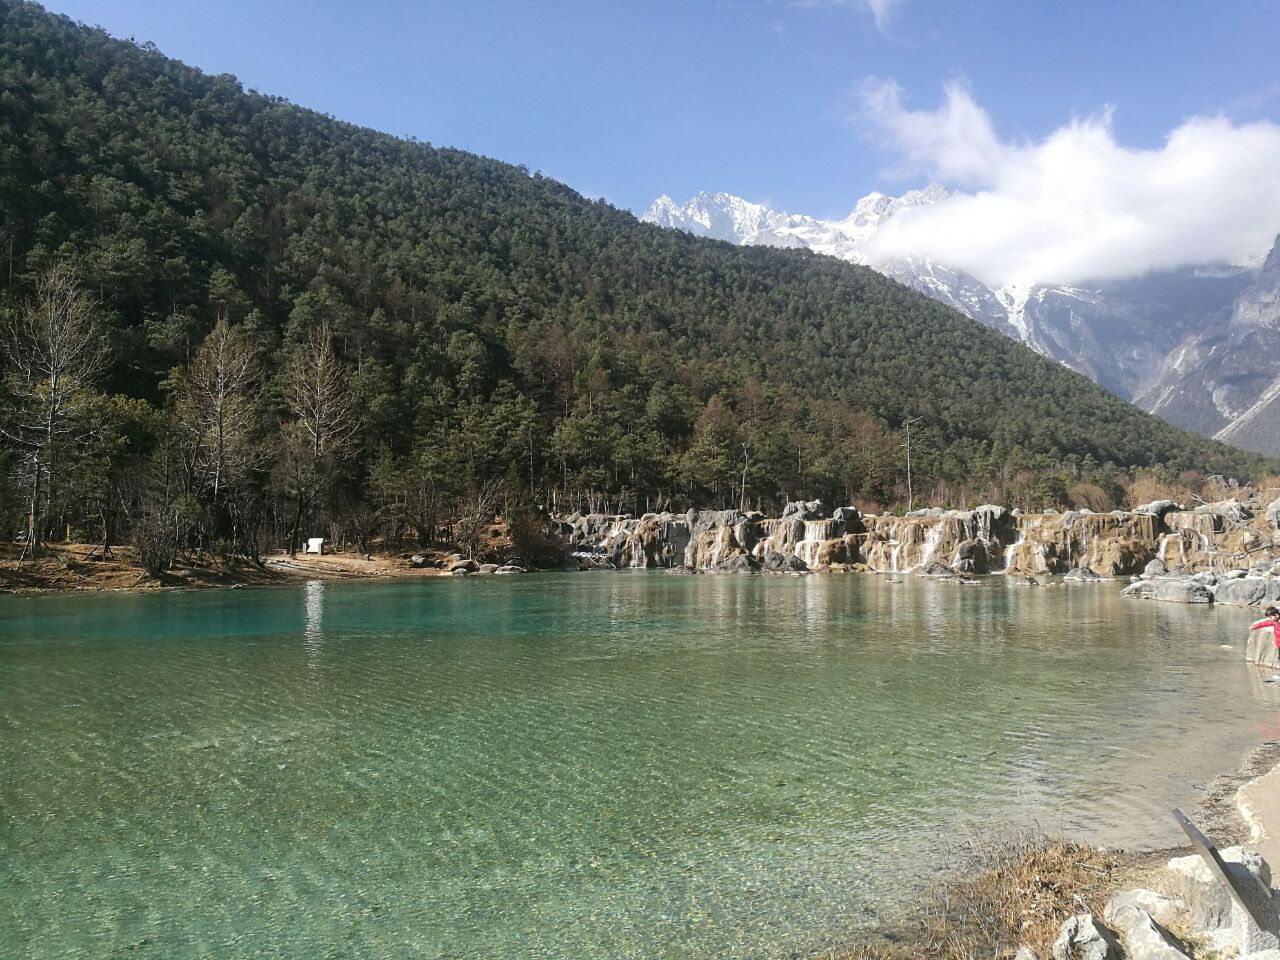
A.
pixel 718 215
pixel 724 216
pixel 1152 338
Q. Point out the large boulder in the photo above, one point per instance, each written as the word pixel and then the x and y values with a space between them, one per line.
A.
pixel 1160 907
pixel 1082 575
pixel 803 510
pixel 1156 568
pixel 1144 939
pixel 1248 592
pixel 1173 591
pixel 934 569
pixel 464 566
pixel 780 563
pixel 1207 900
pixel 849 518
pixel 1232 510
pixel 1083 938
pixel 1157 508
pixel 1273 514
pixel 738 563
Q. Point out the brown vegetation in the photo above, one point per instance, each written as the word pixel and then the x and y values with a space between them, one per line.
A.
pixel 1009 892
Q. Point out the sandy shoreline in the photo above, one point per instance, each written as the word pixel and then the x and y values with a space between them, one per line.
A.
pixel 76 568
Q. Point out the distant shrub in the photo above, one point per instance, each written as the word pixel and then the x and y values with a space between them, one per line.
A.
pixel 1090 496
pixel 156 537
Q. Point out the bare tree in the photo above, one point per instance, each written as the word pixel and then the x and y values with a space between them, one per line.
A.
pixel 324 422
pixel 55 354
pixel 218 407
pixel 478 513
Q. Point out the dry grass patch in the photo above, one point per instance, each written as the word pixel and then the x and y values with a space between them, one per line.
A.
pixel 1011 891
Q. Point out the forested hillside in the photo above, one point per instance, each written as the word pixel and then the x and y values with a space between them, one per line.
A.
pixel 289 317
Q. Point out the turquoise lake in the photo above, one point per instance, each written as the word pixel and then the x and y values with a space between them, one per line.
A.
pixel 581 765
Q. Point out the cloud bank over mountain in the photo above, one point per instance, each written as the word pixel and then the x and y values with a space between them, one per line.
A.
pixel 1076 206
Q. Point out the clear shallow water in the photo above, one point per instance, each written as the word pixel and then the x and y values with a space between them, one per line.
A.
pixel 603 765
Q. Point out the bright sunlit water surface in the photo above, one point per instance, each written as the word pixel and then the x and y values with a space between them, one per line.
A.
pixel 595 765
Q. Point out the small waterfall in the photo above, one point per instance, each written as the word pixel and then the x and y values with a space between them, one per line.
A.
pixel 819 530
pixel 930 545
pixel 1012 548
pixel 816 533
pixel 1164 547
pixel 893 562
pixel 807 550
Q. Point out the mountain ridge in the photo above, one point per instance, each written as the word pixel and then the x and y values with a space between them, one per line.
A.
pixel 498 325
pixel 1124 335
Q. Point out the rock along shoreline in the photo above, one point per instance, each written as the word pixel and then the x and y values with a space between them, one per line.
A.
pixel 1224 552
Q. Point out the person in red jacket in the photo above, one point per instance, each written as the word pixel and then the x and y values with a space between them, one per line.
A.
pixel 1273 621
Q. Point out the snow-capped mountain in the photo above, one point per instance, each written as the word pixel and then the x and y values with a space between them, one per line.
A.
pixel 1160 340
pixel 723 216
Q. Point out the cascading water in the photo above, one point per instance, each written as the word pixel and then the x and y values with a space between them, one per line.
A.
pixel 1012 548
pixel 931 539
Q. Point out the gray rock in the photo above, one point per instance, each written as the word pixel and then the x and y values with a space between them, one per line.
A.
pixel 466 566
pixel 924 513
pixel 1208 903
pixel 1163 909
pixel 1247 592
pixel 460 572
pixel 1173 591
pixel 1155 568
pixel 1026 582
pixel 418 561
pixel 1232 510
pixel 1273 514
pixel 850 518
pixel 488 568
pixel 1157 508
pixel 1234 574
pixel 1025 953
pixel 1082 575
pixel 779 563
pixel 738 563
pixel 803 510
pixel 1144 939
pixel 1083 938
pixel 934 569
pixel 510 568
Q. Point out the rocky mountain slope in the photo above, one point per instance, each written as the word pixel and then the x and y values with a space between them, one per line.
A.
pixel 1196 346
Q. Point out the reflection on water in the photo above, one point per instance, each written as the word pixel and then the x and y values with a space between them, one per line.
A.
pixel 606 765
pixel 312 635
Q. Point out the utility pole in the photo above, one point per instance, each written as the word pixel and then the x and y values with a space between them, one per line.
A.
pixel 907 423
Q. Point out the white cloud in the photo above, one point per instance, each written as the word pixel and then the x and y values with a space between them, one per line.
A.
pixel 880 10
pixel 1077 206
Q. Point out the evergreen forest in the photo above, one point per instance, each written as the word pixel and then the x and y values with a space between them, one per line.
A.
pixel 228 322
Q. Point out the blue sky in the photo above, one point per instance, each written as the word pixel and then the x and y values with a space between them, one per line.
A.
pixel 630 100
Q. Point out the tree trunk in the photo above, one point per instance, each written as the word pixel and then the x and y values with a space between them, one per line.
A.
pixel 297 523
pixel 33 528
